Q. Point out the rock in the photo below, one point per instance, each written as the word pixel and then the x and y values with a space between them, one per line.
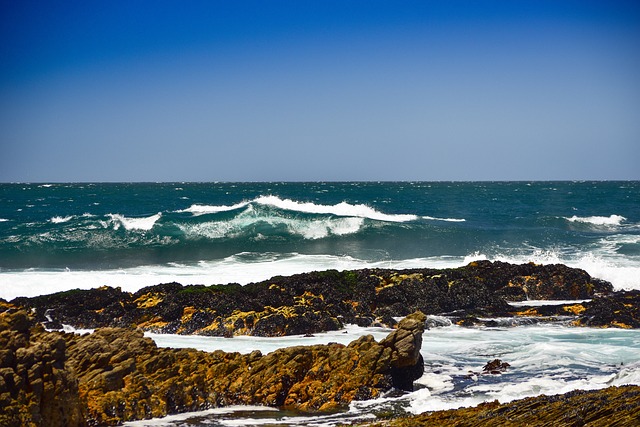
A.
pixel 619 310
pixel 116 374
pixel 36 386
pixel 496 366
pixel 318 301
pixel 613 406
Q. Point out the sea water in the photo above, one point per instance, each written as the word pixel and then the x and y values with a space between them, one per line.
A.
pixel 56 237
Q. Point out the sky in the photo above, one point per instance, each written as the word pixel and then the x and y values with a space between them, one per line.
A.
pixel 319 90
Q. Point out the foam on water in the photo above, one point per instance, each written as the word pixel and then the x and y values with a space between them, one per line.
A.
pixel 145 223
pixel 197 209
pixel 60 219
pixel 340 209
pixel 431 218
pixel 611 220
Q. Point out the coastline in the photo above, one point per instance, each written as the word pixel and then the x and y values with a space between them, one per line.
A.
pixel 480 289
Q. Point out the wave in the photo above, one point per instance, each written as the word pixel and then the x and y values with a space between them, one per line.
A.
pixel 60 219
pixel 431 218
pixel 609 221
pixel 4 220
pixel 341 209
pixel 144 223
pixel 258 224
pixel 197 209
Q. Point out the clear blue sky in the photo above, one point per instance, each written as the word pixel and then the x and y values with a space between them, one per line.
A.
pixel 319 90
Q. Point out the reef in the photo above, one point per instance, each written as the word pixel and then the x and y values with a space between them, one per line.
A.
pixel 613 406
pixel 326 300
pixel 50 378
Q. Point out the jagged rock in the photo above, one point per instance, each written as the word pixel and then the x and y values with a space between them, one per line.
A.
pixel 620 310
pixel 116 374
pixel 496 366
pixel 36 388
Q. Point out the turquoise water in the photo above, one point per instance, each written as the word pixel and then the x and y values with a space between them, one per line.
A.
pixel 126 234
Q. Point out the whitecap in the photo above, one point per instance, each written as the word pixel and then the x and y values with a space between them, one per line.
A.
pixel 60 219
pixel 3 220
pixel 340 209
pixel 197 209
pixel 612 220
pixel 431 218
pixel 144 223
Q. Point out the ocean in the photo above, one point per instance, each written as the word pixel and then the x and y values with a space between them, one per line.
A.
pixel 55 237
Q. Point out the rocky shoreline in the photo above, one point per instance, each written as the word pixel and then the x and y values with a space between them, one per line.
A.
pixel 50 378
pixel 115 374
pixel 324 301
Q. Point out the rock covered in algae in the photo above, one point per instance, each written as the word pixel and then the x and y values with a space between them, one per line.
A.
pixel 116 374
pixel 317 301
pixel 613 406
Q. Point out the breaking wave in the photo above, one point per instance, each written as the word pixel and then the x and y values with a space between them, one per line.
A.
pixel 144 223
pixel 607 221
pixel 341 209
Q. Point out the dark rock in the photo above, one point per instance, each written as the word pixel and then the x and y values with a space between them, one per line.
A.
pixel 620 310
pixel 613 406
pixel 317 301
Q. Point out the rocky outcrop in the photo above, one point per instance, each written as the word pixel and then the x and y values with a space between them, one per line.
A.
pixel 36 388
pixel 613 406
pixel 616 310
pixel 317 301
pixel 116 374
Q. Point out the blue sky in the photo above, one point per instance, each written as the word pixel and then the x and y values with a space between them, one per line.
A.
pixel 319 90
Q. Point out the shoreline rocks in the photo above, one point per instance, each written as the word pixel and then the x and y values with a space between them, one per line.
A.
pixel 322 301
pixel 619 406
pixel 116 374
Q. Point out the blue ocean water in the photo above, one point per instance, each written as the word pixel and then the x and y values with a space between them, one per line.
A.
pixel 55 236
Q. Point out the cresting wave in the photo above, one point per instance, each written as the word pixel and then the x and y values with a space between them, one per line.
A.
pixel 145 223
pixel 612 220
pixel 341 209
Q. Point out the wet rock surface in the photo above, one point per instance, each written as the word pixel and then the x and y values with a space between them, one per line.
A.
pixel 320 301
pixel 116 374
pixel 613 406
pixel 36 389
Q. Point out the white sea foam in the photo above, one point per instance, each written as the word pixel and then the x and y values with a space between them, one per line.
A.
pixel 431 218
pixel 144 223
pixel 3 220
pixel 612 220
pixel 197 209
pixel 60 219
pixel 340 209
